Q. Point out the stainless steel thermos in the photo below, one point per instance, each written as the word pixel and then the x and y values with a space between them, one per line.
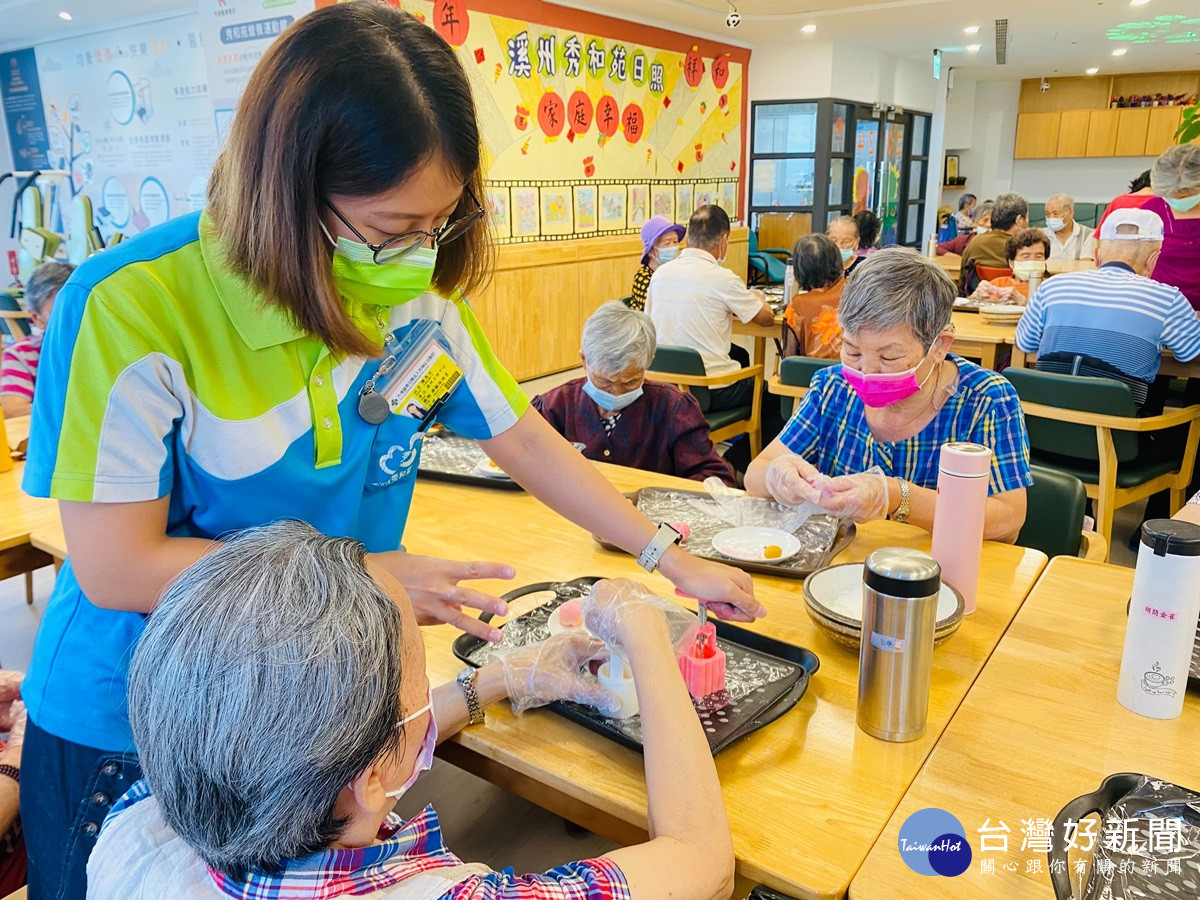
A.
pixel 900 598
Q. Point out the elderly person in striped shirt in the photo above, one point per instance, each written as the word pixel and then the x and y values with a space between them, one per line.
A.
pixel 19 364
pixel 280 705
pixel 1114 321
pixel 865 440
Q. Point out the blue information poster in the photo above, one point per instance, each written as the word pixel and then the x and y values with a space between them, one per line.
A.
pixel 23 110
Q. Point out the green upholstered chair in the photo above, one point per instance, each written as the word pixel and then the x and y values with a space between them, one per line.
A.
pixel 795 374
pixel 684 368
pixel 1055 507
pixel 1086 427
pixel 767 266
pixel 1037 215
pixel 1089 213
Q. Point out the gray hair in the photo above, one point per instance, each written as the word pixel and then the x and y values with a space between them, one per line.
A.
pixel 45 283
pixel 847 221
pixel 616 337
pixel 1063 200
pixel 1007 209
pixel 1178 169
pixel 1136 253
pixel 266 681
pixel 898 286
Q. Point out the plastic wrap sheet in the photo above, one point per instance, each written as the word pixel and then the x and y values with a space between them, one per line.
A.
pixel 707 517
pixel 445 451
pixel 749 675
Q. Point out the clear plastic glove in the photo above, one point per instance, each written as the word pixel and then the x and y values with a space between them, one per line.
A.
pixel 550 670
pixel 10 697
pixel 792 480
pixel 859 498
pixel 10 755
pixel 616 604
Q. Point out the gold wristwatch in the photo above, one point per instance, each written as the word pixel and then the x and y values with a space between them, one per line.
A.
pixel 901 512
pixel 466 683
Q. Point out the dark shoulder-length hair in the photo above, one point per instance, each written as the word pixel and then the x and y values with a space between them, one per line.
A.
pixel 816 261
pixel 349 101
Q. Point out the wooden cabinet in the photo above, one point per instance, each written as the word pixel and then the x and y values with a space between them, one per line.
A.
pixel 1037 135
pixel 1164 122
pixel 1132 125
pixel 1102 132
pixel 1073 133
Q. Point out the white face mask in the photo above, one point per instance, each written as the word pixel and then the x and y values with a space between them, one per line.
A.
pixel 425 760
pixel 1055 224
pixel 1025 269
pixel 980 229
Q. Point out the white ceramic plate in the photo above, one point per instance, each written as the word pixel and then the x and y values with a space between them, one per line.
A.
pixel 489 469
pixel 839 590
pixel 748 542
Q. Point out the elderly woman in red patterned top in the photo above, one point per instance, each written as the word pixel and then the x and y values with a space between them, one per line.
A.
pixel 620 417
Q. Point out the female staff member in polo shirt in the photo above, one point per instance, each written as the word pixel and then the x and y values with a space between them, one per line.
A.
pixel 236 367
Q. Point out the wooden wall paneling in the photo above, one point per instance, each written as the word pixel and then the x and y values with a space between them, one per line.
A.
pixel 782 230
pixel 1037 135
pixel 1064 93
pixel 1132 125
pixel 737 258
pixel 531 317
pixel 605 279
pixel 1164 122
pixel 1102 132
pixel 1073 133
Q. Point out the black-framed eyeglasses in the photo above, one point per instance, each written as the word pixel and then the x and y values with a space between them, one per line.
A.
pixel 403 244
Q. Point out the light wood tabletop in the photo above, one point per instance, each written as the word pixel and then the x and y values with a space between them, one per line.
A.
pixel 981 340
pixel 807 796
pixel 951 263
pixel 21 514
pixel 1040 727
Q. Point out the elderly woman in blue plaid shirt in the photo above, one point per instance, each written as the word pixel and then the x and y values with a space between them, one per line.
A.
pixel 868 433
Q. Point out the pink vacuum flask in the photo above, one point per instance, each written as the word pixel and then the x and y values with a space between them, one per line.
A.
pixel 958 516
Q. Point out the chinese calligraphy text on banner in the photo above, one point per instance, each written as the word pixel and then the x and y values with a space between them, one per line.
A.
pixel 588 132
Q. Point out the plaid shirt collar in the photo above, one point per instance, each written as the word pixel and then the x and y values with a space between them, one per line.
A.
pixel 405 849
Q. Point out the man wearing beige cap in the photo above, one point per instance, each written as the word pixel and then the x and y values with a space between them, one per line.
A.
pixel 1113 321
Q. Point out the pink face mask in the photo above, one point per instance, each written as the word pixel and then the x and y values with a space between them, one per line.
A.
pixel 884 388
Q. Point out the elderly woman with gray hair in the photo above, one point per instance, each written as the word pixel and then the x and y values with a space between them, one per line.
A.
pixel 280 705
pixel 865 440
pixel 19 363
pixel 621 418
pixel 1175 179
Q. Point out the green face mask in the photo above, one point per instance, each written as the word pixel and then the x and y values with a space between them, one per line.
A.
pixel 360 278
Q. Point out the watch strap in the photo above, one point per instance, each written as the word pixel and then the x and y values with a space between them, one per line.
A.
pixel 663 538
pixel 12 772
pixel 900 514
pixel 466 683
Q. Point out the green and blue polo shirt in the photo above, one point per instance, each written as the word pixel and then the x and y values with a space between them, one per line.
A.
pixel 164 374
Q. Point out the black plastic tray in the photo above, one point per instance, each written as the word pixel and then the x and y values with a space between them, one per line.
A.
pixel 842 539
pixel 725 719
pixel 439 468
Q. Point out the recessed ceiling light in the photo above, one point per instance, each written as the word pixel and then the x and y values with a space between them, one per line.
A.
pixel 809 29
pixel 1120 51
pixel 1093 70
pixel 65 16
pixel 971 29
pixel 973 48
pixel 1138 2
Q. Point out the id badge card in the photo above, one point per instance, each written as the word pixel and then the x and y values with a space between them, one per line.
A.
pixel 420 379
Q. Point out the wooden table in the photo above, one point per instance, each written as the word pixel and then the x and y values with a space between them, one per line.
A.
pixel 990 344
pixel 761 334
pixel 21 514
pixel 951 264
pixel 1040 727
pixel 829 788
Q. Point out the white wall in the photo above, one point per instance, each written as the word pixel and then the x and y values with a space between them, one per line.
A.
pixel 1089 180
pixel 869 76
pixel 797 71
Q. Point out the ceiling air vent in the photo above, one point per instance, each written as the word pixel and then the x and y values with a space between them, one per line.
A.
pixel 1001 41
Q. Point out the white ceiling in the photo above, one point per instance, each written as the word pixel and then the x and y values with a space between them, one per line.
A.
pixel 1058 37
pixel 1045 37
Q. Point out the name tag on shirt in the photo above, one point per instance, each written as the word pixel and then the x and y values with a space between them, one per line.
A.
pixel 425 374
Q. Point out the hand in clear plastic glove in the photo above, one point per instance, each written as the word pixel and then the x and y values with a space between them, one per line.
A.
pixel 792 480
pixel 11 754
pixel 550 670
pixel 859 498
pixel 10 697
pixel 615 605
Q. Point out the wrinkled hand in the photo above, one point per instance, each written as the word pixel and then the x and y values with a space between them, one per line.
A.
pixel 729 592
pixel 11 754
pixel 983 291
pixel 860 498
pixel 10 697
pixel 792 480
pixel 616 606
pixel 436 596
pixel 550 670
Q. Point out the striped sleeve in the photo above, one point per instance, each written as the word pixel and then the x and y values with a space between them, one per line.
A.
pixel 1002 427
pixel 18 369
pixel 590 879
pixel 1032 322
pixel 104 407
pixel 1181 331
pixel 802 433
